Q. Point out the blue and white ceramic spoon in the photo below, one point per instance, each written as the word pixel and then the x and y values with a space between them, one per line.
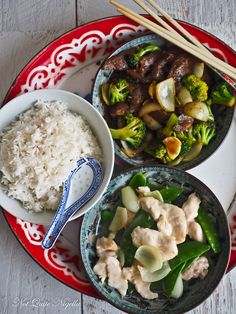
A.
pixel 78 189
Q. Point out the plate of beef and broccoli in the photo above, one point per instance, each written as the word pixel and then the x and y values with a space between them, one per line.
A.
pixel 162 105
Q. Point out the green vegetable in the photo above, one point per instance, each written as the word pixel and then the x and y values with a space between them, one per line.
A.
pixel 133 60
pixel 211 116
pixel 160 153
pixel 141 219
pixel 107 216
pixel 118 91
pixel 185 147
pixel 134 132
pixel 170 193
pixel 188 263
pixel 130 199
pixel 187 251
pixel 204 132
pixel 138 179
pixel 198 88
pixel 187 139
pixel 172 121
pixel 185 136
pixel 222 96
pixel 209 230
pixel 171 280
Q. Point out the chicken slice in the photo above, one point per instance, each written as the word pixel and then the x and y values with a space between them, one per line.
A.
pixel 176 218
pixel 116 279
pixel 198 269
pixel 100 269
pixel 171 219
pixel 151 206
pixel 173 222
pixel 195 231
pixel 166 244
pixel 163 225
pixel 106 244
pixel 132 274
pixel 142 190
pixel 128 273
pixel 105 247
pixel 191 207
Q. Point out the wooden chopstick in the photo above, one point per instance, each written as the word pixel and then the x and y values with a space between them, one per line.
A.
pixel 182 43
pixel 177 25
pixel 182 30
pixel 157 17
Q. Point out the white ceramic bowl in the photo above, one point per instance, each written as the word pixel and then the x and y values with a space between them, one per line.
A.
pixel 76 104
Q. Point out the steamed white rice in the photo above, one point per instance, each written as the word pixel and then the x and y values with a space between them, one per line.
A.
pixel 38 151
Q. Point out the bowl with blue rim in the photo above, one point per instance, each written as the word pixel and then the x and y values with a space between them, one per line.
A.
pixel 175 186
pixel 186 156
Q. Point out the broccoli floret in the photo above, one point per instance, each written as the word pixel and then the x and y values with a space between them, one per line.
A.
pixel 187 139
pixel 133 60
pixel 211 116
pixel 222 96
pixel 185 147
pixel 118 91
pixel 197 88
pixel 172 121
pixel 185 136
pixel 204 132
pixel 134 132
pixel 160 153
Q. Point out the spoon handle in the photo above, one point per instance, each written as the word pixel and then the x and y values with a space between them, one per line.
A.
pixel 59 222
pixel 63 214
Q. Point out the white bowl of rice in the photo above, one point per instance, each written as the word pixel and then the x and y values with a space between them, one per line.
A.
pixel 42 135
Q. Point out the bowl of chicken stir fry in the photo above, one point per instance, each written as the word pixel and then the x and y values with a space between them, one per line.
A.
pixel 162 105
pixel 157 242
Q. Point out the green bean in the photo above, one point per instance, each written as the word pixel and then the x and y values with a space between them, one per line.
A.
pixel 107 216
pixel 170 193
pixel 187 251
pixel 209 229
pixel 137 180
pixel 189 263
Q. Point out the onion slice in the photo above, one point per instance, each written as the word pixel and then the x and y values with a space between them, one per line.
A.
pixel 156 275
pixel 150 257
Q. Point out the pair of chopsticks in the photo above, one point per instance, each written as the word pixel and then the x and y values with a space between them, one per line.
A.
pixel 223 69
